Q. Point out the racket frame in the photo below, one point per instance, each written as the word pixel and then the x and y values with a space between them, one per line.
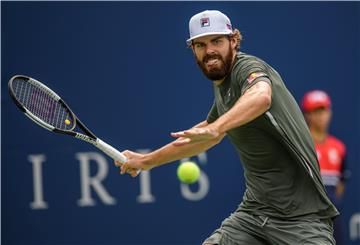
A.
pixel 89 136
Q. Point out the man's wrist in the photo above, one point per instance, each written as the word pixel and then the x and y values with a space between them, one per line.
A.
pixel 149 161
pixel 218 128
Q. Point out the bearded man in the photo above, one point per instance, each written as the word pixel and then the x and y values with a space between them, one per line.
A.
pixel 284 201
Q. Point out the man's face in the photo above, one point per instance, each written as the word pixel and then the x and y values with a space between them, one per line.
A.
pixel 214 54
pixel 319 118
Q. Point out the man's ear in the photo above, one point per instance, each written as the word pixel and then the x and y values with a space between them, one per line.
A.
pixel 233 42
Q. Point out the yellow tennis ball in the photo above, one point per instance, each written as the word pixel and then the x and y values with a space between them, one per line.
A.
pixel 67 121
pixel 188 172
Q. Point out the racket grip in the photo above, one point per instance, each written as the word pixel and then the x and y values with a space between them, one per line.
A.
pixel 111 152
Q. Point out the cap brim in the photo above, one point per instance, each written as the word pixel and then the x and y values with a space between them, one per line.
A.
pixel 208 34
pixel 316 106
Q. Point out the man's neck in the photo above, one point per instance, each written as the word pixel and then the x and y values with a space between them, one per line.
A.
pixel 219 82
pixel 318 136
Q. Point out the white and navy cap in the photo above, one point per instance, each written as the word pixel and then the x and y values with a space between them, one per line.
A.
pixel 209 22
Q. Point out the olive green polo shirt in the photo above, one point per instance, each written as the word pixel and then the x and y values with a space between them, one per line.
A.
pixel 276 150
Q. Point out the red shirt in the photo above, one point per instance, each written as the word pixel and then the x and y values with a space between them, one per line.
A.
pixel 331 155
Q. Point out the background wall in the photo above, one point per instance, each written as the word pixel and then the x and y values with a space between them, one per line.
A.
pixel 125 70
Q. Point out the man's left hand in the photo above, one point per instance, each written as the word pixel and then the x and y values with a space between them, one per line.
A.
pixel 195 135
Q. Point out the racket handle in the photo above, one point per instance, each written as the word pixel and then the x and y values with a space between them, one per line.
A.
pixel 111 151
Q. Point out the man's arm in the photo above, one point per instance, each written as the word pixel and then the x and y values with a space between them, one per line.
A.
pixel 252 104
pixel 167 153
pixel 255 101
pixel 172 152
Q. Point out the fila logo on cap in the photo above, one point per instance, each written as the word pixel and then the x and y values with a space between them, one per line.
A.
pixel 205 22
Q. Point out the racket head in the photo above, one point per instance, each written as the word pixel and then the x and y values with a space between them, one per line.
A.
pixel 41 104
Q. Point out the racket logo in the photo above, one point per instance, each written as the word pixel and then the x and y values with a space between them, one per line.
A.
pixel 85 138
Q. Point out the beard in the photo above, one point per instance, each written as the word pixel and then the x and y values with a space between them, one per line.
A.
pixel 220 71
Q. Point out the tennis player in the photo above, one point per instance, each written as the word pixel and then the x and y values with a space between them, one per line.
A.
pixel 284 201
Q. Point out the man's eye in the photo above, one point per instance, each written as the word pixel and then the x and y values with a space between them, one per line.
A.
pixel 199 45
pixel 217 41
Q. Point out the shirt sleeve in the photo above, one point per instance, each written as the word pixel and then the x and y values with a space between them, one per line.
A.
pixel 213 114
pixel 250 73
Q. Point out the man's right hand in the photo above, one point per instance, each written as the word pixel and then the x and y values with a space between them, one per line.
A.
pixel 135 162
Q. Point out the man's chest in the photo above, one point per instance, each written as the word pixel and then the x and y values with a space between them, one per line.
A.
pixel 226 98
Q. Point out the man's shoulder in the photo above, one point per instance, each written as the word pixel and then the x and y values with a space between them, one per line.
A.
pixel 335 142
pixel 246 61
pixel 246 65
pixel 241 57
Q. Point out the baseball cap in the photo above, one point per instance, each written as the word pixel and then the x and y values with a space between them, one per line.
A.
pixel 209 22
pixel 315 99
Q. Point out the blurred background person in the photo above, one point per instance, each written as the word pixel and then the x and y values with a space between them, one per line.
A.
pixel 331 151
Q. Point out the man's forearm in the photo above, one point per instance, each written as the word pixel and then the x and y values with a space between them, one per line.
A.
pixel 170 152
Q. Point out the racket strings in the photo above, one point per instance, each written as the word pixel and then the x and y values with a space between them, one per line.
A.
pixel 44 106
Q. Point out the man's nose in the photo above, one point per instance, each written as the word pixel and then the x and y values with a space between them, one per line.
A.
pixel 210 49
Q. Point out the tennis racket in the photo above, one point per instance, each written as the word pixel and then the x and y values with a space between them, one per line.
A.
pixel 44 107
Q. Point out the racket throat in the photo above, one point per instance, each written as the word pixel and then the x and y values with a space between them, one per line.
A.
pixel 106 148
pixel 86 138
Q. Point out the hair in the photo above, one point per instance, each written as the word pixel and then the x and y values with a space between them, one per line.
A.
pixel 238 37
